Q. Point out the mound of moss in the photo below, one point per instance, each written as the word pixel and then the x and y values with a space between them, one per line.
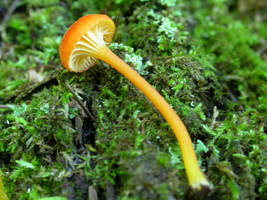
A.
pixel 208 59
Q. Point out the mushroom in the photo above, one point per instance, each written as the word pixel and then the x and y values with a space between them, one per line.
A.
pixel 87 41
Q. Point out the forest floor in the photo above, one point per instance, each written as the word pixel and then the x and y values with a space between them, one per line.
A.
pixel 208 59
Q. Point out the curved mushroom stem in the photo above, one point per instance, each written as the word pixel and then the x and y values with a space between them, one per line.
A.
pixel 196 178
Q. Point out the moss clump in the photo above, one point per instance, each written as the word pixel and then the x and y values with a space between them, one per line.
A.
pixel 207 59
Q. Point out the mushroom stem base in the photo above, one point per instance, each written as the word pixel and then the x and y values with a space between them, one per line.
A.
pixel 196 194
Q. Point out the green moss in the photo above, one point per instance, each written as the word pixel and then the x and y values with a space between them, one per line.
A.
pixel 206 59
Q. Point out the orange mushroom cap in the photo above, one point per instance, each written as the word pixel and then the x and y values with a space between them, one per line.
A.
pixel 80 44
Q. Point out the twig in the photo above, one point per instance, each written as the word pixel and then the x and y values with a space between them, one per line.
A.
pixel 4 107
pixel 262 50
pixel 80 102
pixel 10 10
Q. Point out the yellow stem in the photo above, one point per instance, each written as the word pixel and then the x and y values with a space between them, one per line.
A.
pixel 2 192
pixel 195 176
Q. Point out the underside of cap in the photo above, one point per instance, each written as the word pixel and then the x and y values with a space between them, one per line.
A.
pixel 80 44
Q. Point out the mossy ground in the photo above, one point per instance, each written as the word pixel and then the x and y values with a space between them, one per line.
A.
pixel 208 59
